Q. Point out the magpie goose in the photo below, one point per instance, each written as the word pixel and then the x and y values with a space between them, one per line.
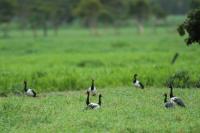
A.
pixel 93 105
pixel 28 91
pixel 137 83
pixel 175 99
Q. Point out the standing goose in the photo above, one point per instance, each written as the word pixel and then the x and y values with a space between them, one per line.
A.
pixel 29 92
pixel 137 83
pixel 168 104
pixel 175 99
pixel 92 89
pixel 93 105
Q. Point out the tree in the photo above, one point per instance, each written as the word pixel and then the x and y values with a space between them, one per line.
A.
pixel 195 4
pixel 6 14
pixel 158 12
pixel 115 12
pixel 39 12
pixel 159 15
pixel 192 26
pixel 61 12
pixel 140 10
pixel 88 11
pixel 174 6
pixel 105 17
pixel 22 13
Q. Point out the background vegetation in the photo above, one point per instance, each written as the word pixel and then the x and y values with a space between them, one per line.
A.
pixel 60 45
pixel 49 14
pixel 70 60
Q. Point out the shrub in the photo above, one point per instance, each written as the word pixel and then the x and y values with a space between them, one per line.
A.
pixel 180 79
pixel 198 83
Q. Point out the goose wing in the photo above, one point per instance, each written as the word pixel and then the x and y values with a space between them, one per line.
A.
pixel 141 85
pixel 34 93
pixel 169 105
pixel 137 83
pixel 31 92
pixel 178 101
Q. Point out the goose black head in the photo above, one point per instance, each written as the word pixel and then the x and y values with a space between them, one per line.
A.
pixel 25 85
pixel 135 75
pixel 100 99
pixel 170 86
pixel 92 86
pixel 165 94
pixel 171 91
pixel 100 95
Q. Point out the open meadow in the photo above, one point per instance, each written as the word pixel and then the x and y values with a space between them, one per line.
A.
pixel 69 61
pixel 60 68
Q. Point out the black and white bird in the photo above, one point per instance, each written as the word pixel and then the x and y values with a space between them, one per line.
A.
pixel 92 89
pixel 28 91
pixel 175 99
pixel 93 105
pixel 137 83
pixel 168 104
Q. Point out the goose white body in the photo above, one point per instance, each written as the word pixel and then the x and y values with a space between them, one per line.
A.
pixel 30 92
pixel 92 92
pixel 177 101
pixel 169 104
pixel 137 84
pixel 93 106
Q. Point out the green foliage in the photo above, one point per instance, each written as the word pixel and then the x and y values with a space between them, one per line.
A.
pixel 175 7
pixel 6 11
pixel 158 11
pixel 117 8
pixel 180 79
pixel 39 15
pixel 105 17
pixel 89 10
pixel 192 26
pixel 140 9
pixel 195 4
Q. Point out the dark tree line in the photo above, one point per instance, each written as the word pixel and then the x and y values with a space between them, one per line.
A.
pixel 45 14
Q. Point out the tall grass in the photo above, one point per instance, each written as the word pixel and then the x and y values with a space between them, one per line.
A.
pixel 68 61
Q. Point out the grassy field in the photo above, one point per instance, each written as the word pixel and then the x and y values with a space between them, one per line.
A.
pixel 123 110
pixel 70 60
pixel 67 62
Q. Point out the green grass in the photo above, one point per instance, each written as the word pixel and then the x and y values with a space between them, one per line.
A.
pixel 123 110
pixel 68 61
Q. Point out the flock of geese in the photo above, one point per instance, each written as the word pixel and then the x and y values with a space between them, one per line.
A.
pixel 171 103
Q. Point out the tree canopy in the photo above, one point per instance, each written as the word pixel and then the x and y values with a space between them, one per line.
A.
pixel 191 26
pixel 6 11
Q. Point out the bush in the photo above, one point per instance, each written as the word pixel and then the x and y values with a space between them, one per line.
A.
pixel 180 79
pixel 198 83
